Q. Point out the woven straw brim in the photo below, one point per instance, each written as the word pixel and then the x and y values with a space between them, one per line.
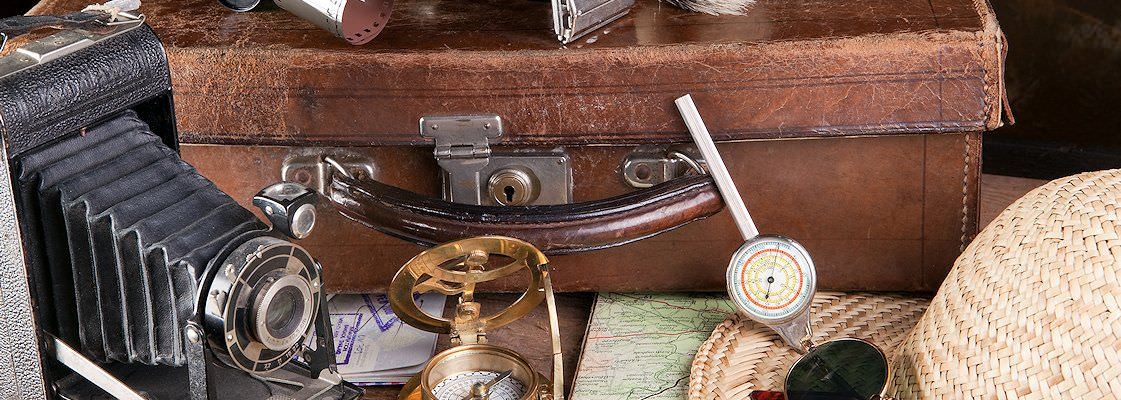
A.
pixel 1032 308
pixel 742 355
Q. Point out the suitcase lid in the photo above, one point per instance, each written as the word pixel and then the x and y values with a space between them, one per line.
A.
pixel 788 68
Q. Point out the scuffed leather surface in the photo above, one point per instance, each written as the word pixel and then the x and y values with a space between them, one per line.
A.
pixel 39 105
pixel 790 68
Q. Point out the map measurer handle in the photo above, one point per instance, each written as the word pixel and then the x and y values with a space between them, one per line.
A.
pixel 716 167
pixel 788 314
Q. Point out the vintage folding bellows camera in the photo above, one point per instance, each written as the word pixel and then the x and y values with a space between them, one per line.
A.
pixel 125 272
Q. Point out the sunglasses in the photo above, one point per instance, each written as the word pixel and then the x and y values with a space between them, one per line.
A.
pixel 841 369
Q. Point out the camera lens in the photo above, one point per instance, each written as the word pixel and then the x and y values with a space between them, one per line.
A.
pixel 845 369
pixel 283 316
pixel 282 311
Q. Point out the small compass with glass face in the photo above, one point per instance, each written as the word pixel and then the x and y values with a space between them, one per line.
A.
pixel 471 384
pixel 772 279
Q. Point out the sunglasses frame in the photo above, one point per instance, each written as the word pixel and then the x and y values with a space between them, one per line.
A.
pixel 813 346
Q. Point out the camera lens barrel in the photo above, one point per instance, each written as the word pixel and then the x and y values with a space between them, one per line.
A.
pixel 281 311
pixel 262 302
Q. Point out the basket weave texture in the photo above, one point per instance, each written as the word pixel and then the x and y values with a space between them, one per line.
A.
pixel 742 355
pixel 1032 308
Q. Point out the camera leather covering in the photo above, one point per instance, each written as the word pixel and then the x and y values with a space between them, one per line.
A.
pixel 127 230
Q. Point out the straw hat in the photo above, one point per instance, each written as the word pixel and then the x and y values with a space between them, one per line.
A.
pixel 1032 308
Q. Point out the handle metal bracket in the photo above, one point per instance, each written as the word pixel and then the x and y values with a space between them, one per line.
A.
pixel 649 165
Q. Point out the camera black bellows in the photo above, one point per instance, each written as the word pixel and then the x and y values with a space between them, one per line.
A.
pixel 127 229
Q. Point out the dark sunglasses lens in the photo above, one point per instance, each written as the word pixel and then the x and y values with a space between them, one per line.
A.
pixel 839 370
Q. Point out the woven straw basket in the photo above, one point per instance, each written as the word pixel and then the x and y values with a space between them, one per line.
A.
pixel 1031 310
pixel 742 355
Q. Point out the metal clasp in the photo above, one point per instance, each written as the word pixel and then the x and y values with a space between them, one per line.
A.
pixel 63 43
pixel 462 150
pixel 476 174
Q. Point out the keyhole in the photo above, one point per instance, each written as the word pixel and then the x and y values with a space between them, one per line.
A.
pixel 509 190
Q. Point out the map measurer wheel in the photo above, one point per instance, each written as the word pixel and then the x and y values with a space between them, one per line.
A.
pixel 771 279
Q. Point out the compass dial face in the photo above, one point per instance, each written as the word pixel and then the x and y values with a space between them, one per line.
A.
pixel 771 279
pixel 458 386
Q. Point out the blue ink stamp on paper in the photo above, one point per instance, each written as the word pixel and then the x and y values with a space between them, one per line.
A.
pixel 346 332
pixel 382 312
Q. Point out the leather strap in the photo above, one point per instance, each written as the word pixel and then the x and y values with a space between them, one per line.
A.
pixel 555 229
pixel 23 24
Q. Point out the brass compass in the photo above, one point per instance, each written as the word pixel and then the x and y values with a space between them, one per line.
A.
pixel 473 369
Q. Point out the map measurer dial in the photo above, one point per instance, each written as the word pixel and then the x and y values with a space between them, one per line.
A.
pixel 771 279
pixel 460 386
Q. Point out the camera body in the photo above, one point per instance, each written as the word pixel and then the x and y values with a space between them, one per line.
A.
pixel 137 270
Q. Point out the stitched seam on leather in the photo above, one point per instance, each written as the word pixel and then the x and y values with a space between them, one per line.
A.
pixel 993 85
pixel 964 195
pixel 3 128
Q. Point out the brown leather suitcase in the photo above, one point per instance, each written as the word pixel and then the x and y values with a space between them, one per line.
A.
pixel 852 126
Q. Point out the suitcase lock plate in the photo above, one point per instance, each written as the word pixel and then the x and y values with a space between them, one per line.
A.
pixel 474 173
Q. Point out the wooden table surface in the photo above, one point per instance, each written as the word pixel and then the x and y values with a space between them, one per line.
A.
pixel 530 335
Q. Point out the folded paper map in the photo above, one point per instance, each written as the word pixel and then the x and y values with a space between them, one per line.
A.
pixel 640 346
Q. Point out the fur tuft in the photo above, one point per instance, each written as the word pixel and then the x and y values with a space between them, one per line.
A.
pixel 713 7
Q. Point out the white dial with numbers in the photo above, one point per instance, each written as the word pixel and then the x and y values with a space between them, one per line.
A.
pixel 459 386
pixel 771 279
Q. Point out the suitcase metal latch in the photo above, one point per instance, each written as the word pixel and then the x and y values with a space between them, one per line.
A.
pixel 476 174
pixel 575 18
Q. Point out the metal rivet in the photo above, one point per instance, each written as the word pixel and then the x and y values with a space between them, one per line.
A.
pixel 220 298
pixel 193 334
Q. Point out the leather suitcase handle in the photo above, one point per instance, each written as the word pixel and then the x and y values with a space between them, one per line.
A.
pixel 555 229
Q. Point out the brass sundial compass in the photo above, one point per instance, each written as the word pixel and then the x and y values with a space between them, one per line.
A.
pixel 473 369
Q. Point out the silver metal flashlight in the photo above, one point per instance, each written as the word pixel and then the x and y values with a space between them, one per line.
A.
pixel 356 21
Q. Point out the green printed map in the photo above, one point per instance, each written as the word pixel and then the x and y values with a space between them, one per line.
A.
pixel 640 346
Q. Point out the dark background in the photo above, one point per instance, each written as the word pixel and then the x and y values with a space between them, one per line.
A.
pixel 13 7
pixel 1064 83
